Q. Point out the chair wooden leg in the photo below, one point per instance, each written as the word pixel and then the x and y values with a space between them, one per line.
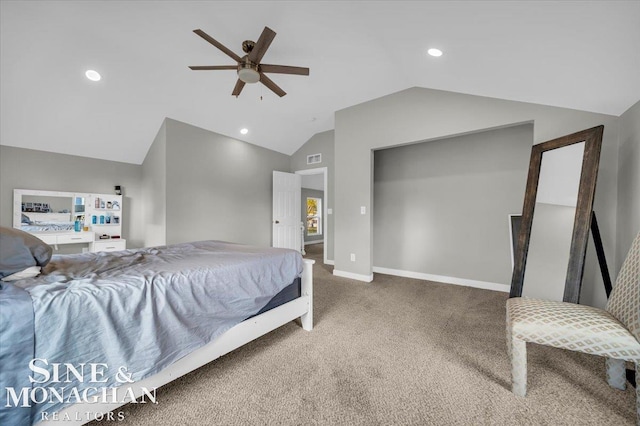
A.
pixel 518 351
pixel 616 373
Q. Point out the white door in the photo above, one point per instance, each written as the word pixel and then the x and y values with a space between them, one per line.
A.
pixel 287 210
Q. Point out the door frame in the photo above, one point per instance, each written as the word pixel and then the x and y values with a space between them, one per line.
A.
pixel 317 171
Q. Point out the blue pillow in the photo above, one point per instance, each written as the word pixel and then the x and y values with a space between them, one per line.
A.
pixel 20 250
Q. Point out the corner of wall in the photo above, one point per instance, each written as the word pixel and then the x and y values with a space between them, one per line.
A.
pixel 628 180
pixel 154 178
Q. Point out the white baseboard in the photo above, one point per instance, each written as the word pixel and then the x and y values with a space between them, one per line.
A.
pixel 359 277
pixel 308 243
pixel 444 279
pixel 329 262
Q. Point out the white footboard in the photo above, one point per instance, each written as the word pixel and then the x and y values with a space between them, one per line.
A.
pixel 307 291
pixel 235 337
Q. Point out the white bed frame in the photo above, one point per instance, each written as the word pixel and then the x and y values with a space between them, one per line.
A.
pixel 237 336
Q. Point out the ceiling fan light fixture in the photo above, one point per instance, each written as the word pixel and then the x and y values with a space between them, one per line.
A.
pixel 248 75
pixel 93 75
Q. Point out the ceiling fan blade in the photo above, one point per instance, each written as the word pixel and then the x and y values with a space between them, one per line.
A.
pixel 284 69
pixel 213 67
pixel 271 85
pixel 262 45
pixel 238 88
pixel 217 44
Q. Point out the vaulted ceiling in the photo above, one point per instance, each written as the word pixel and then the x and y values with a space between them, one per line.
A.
pixel 580 55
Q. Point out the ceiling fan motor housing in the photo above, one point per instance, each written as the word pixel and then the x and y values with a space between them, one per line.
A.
pixel 247 46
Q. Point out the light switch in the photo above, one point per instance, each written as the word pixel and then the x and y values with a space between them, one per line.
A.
pixel 363 210
pixel 329 211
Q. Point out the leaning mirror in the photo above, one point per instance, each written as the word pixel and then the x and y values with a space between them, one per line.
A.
pixel 556 216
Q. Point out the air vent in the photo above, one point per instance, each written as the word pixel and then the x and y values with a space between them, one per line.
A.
pixel 314 159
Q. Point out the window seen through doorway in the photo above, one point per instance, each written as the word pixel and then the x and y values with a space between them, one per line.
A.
pixel 314 216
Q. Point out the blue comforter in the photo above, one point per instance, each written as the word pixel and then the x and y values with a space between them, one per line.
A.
pixel 16 349
pixel 47 226
pixel 137 311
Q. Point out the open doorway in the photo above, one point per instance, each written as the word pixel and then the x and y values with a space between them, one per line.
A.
pixel 314 210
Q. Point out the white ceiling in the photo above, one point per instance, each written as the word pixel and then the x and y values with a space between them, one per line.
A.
pixel 581 55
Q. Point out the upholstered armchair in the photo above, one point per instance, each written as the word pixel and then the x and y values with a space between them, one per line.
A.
pixel 613 333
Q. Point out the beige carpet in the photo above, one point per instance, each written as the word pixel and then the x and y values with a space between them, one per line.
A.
pixel 394 351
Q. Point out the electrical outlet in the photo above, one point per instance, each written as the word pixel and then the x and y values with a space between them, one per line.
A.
pixel 353 257
pixel 363 210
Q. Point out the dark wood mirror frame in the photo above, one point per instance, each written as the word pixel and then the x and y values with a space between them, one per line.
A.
pixel 586 192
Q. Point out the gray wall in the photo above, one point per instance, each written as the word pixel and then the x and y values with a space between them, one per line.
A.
pixel 314 193
pixel 441 207
pixel 30 169
pixel 322 143
pixel 628 182
pixel 419 114
pixel 218 187
pixel 154 190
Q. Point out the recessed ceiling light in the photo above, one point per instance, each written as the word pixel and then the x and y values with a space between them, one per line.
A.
pixel 93 75
pixel 434 52
pixel 244 131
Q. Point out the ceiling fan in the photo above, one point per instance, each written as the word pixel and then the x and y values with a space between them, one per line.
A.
pixel 249 68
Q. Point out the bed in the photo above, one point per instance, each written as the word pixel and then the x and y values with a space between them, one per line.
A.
pixel 115 326
pixel 46 222
pixel 48 227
